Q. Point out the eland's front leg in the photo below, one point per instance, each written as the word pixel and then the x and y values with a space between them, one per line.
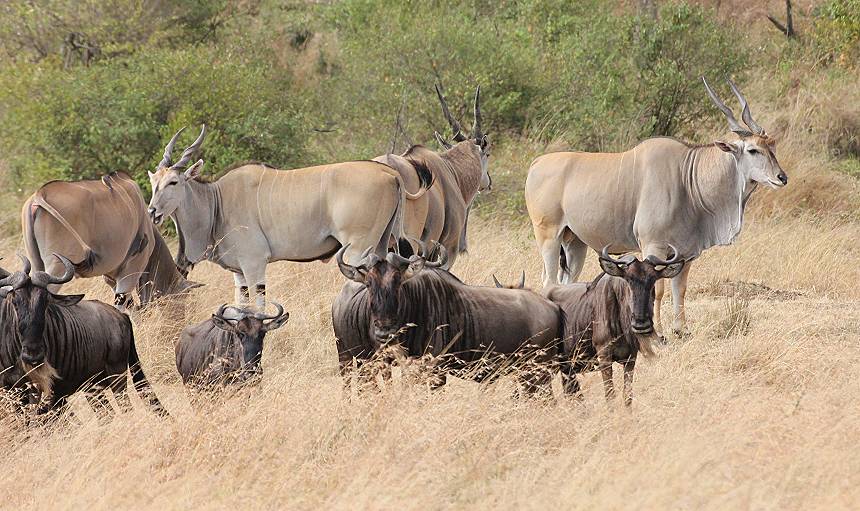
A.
pixel 679 293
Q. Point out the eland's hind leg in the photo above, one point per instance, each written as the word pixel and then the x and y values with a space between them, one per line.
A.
pixel 574 252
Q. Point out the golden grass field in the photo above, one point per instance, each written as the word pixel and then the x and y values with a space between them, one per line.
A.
pixel 757 409
pixel 762 420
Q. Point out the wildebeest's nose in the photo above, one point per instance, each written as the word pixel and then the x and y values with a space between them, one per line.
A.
pixel 642 326
pixel 32 358
pixel 783 177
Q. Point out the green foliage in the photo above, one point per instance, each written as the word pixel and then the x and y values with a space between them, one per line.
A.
pixel 837 31
pixel 84 122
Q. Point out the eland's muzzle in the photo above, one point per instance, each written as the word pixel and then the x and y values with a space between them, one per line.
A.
pixel 156 218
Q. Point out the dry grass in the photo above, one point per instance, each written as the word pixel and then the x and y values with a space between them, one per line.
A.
pixel 764 420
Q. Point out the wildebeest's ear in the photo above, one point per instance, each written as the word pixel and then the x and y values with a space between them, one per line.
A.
pixel 672 270
pixel 223 324
pixel 66 300
pixel 190 284
pixel 726 147
pixel 277 322
pixel 193 172
pixel 612 268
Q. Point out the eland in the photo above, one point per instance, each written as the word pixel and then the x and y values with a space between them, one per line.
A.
pixel 662 191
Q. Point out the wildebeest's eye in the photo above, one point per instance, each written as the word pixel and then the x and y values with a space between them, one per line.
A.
pixel 752 150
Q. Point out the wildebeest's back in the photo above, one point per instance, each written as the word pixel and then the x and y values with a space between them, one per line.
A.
pixel 86 342
pixel 204 353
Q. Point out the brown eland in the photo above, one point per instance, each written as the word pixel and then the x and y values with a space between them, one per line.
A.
pixel 662 191
pixel 458 174
pixel 103 225
pixel 256 214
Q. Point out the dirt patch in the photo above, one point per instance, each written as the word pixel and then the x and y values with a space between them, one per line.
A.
pixel 743 290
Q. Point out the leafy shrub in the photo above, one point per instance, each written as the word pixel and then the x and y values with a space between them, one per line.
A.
pixel 837 31
pixel 84 122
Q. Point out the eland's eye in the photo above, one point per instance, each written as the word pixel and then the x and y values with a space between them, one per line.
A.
pixel 752 150
pixel 172 183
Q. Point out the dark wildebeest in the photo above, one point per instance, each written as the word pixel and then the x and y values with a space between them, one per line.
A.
pixel 611 318
pixel 63 344
pixel 463 327
pixel 224 350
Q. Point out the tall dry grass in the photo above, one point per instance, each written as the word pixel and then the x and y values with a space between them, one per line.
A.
pixel 762 420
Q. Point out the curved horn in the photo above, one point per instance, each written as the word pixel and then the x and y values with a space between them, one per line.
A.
pixel 441 259
pixel 496 281
pixel 604 254
pixel 44 279
pixel 398 260
pixel 477 132
pixel 746 115
pixel 168 149
pixel 25 264
pixel 220 311
pixel 345 268
pixel 656 261
pixel 522 283
pixel 730 117
pixel 263 316
pixel 455 126
pixel 190 150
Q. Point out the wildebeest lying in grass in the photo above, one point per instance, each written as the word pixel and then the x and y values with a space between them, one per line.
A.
pixel 462 327
pixel 226 348
pixel 611 318
pixel 62 344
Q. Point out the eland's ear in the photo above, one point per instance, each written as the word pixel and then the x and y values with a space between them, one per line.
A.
pixel 194 171
pixel 223 324
pixel 65 300
pixel 151 175
pixel 727 147
pixel 672 270
pixel 612 268
pixel 277 322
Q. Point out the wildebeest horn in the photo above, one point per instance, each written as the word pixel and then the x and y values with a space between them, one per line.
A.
pixel 522 283
pixel 262 316
pixel 16 280
pixel 44 279
pixel 746 115
pixel 455 126
pixel 190 150
pixel 496 281
pixel 604 254
pixel 168 149
pixel 656 261
pixel 441 259
pixel 398 260
pixel 477 132
pixel 734 126
pixel 25 264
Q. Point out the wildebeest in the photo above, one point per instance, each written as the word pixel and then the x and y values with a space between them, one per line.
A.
pixel 224 350
pixel 458 324
pixel 459 173
pixel 103 225
pixel 662 191
pixel 610 319
pixel 256 214
pixel 62 344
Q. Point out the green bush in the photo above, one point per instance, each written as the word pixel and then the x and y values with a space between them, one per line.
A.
pixel 117 115
pixel 837 31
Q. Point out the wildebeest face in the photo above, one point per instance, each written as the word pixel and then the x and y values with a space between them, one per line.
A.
pixel 30 300
pixel 641 276
pixel 384 280
pixel 250 329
